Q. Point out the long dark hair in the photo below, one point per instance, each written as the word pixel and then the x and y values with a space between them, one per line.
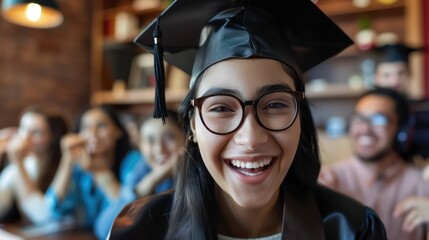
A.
pixel 57 128
pixel 193 214
pixel 123 144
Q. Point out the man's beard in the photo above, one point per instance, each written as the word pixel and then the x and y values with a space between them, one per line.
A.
pixel 376 157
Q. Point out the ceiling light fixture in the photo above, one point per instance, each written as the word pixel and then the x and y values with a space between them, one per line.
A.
pixel 32 13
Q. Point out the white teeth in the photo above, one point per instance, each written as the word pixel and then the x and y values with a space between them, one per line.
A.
pixel 366 140
pixel 250 165
pixel 251 174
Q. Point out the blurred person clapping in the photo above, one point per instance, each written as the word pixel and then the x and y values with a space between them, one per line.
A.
pixel 96 159
pixel 161 147
pixel 5 135
pixel 33 153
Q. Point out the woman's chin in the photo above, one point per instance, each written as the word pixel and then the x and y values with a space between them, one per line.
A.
pixel 251 200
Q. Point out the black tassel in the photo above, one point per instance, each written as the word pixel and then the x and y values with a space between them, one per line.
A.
pixel 160 108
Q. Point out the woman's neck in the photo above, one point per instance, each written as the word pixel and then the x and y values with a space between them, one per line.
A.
pixel 41 161
pixel 102 162
pixel 236 221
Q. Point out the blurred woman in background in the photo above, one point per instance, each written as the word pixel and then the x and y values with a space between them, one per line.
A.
pixel 96 159
pixel 33 154
pixel 161 147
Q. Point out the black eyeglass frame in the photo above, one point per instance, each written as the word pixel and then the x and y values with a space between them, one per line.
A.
pixel 297 95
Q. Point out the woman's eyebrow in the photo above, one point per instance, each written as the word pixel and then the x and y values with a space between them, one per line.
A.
pixel 276 87
pixel 264 89
pixel 214 91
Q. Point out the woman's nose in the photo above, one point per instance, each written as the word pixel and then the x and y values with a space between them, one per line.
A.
pixel 91 131
pixel 24 133
pixel 250 134
pixel 159 147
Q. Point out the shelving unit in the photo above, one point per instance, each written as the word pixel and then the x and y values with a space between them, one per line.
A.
pixel 383 18
pixel 346 8
pixel 145 16
pixel 403 18
pixel 137 96
pixel 334 91
pixel 337 99
pixel 103 31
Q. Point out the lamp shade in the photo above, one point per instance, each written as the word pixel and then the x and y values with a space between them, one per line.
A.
pixel 32 13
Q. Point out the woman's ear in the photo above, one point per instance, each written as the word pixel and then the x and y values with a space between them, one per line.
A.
pixel 193 137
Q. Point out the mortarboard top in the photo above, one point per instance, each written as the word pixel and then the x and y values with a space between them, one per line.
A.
pixel 395 53
pixel 294 32
pixel 296 24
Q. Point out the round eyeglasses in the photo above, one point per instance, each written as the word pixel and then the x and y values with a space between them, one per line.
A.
pixel 224 113
pixel 375 120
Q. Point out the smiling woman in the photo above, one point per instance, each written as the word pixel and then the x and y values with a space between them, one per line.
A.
pixel 96 159
pixel 250 141
pixel 33 153
pixel 252 156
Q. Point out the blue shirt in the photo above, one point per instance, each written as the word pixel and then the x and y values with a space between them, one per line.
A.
pixel 127 195
pixel 84 200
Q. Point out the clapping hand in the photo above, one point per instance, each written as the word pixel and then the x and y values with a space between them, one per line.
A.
pixel 74 150
pixel 414 210
pixel 5 136
pixel 148 184
pixel 18 148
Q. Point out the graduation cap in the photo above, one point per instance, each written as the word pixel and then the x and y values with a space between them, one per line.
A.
pixel 294 32
pixel 395 53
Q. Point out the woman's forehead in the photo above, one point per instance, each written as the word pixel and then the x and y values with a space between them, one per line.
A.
pixel 156 127
pixel 245 75
pixel 95 116
pixel 95 113
pixel 32 118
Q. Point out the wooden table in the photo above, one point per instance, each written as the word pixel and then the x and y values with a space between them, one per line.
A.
pixel 69 234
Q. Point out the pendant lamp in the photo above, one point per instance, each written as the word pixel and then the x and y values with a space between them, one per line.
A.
pixel 32 13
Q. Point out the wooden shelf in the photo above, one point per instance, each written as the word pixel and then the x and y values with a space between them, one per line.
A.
pixel 334 91
pixel 112 40
pixel 137 96
pixel 351 51
pixel 173 96
pixel 151 11
pixel 394 18
pixel 337 8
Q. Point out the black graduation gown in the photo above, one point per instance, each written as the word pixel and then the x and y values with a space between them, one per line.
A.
pixel 324 214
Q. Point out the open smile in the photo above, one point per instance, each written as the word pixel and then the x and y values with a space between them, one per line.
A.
pixel 252 168
pixel 366 140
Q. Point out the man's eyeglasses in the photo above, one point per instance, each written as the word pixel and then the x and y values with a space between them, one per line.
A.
pixel 224 113
pixel 375 120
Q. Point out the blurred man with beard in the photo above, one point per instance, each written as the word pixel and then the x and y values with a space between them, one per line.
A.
pixel 378 175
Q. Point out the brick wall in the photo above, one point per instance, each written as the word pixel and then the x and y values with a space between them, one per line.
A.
pixel 46 65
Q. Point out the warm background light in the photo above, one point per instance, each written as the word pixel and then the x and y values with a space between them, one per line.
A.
pixel 35 14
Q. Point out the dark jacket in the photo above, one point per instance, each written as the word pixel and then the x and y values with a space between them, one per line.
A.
pixel 324 214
